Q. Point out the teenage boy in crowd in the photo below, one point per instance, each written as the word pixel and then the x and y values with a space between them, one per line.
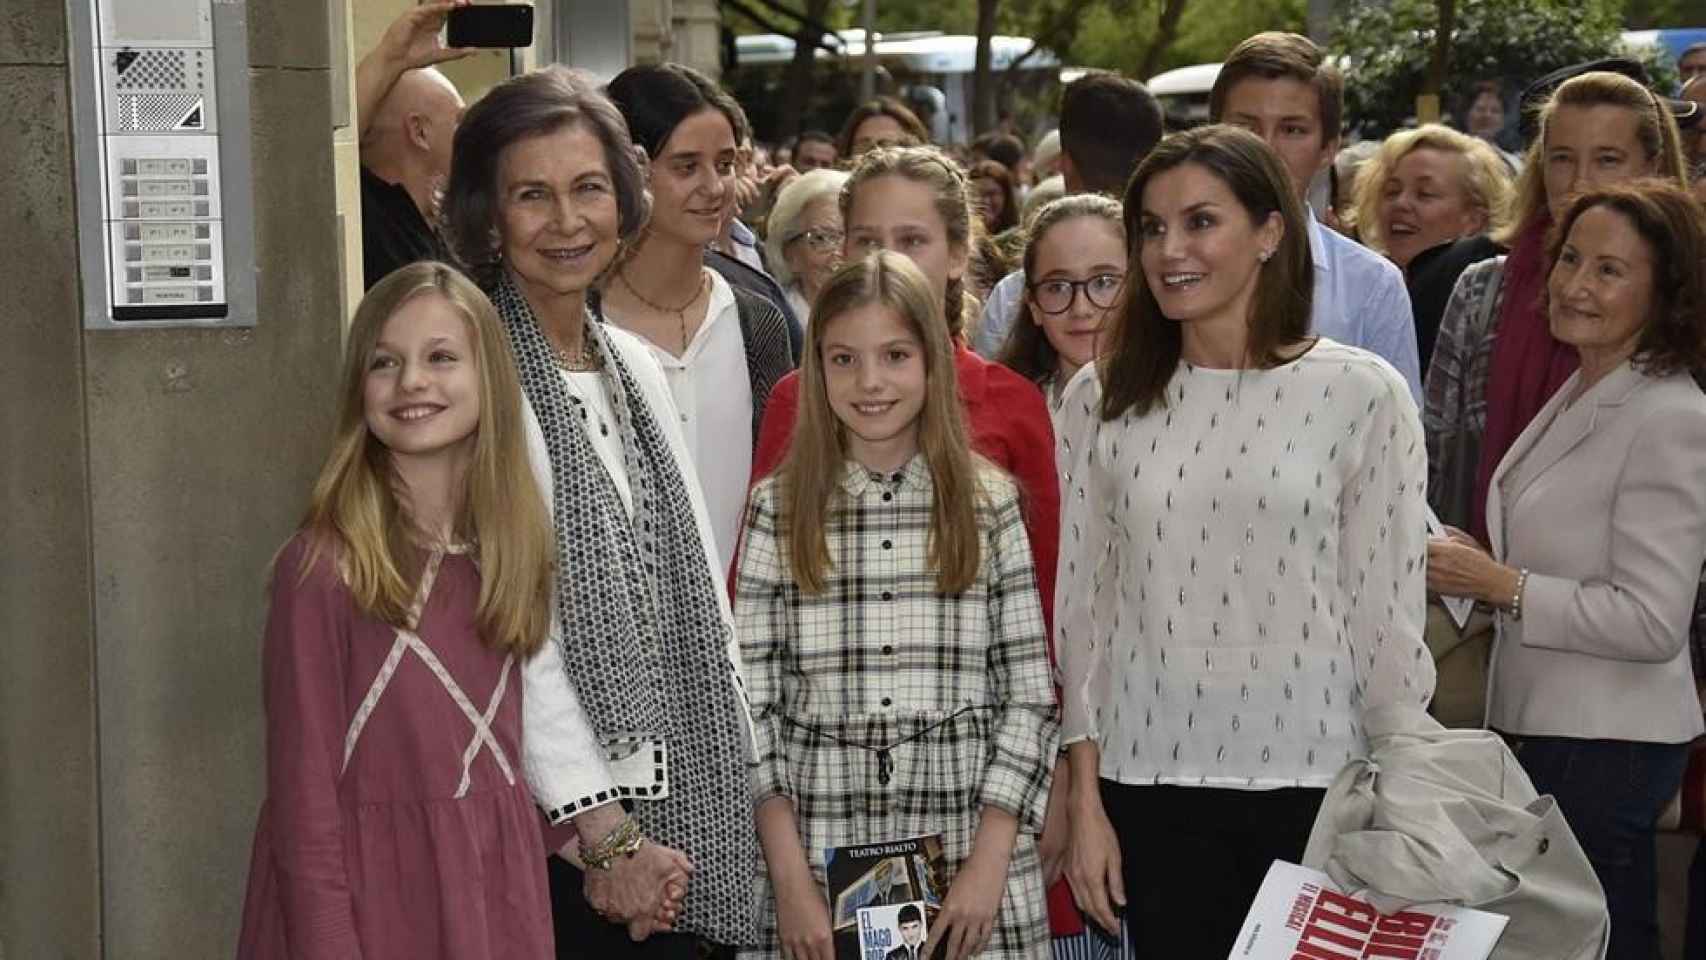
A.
pixel 1108 124
pixel 1280 87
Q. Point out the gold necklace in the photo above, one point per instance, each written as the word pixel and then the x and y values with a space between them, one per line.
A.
pixel 577 362
pixel 680 312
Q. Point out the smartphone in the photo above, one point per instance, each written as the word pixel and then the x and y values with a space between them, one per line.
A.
pixel 490 25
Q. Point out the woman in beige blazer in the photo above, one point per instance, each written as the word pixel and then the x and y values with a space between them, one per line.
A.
pixel 1597 517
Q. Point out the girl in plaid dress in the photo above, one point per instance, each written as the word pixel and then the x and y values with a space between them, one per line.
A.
pixel 893 639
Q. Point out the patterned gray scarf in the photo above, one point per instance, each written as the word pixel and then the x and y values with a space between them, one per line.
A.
pixel 643 639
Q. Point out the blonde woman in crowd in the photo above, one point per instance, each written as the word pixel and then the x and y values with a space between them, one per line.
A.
pixel 1424 190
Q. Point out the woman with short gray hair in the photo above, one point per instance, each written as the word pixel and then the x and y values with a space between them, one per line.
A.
pixel 803 236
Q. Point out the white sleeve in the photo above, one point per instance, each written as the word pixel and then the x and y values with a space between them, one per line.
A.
pixel 1383 550
pixel 564 761
pixel 1082 587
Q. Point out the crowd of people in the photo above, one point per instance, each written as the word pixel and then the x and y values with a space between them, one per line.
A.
pixel 696 508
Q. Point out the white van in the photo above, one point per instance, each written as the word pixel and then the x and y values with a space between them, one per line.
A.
pixel 1183 93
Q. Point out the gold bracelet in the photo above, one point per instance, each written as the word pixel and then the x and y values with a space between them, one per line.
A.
pixel 624 841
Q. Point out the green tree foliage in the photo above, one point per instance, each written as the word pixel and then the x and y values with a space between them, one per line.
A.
pixel 1387 45
pixel 1115 34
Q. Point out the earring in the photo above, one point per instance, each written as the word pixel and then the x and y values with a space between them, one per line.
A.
pixel 1265 256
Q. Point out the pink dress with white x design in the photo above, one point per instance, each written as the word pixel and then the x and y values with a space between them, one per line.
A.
pixel 397 822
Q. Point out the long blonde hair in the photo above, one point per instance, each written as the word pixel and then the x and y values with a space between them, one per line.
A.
pixel 1656 131
pixel 810 475
pixel 356 511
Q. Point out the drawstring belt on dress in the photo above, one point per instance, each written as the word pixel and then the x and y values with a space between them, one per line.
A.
pixel 885 761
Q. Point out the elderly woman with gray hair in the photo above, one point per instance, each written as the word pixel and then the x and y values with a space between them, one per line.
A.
pixel 803 236
pixel 636 729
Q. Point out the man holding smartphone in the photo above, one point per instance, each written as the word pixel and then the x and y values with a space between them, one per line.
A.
pixel 407 114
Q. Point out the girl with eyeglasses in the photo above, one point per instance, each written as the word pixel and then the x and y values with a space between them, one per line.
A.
pixel 1075 262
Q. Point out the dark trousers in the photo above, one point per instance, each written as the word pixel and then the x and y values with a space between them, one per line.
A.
pixel 583 933
pixel 1194 857
pixel 1611 792
pixel 1694 939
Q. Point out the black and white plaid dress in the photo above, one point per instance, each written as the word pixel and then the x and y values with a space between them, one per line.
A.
pixel 880 656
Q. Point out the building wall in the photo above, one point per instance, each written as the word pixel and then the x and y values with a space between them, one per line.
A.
pixel 150 475
pixel 49 839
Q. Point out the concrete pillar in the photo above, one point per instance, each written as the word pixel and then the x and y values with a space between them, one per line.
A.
pixel 150 476
pixel 697 26
pixel 654 40
pixel 49 835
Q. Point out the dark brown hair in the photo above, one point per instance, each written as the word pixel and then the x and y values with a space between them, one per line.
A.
pixel 997 171
pixel 1027 350
pixel 1674 227
pixel 1144 344
pixel 881 106
pixel 534 104
pixel 1108 124
pixel 1272 55
pixel 656 97
pixel 1003 148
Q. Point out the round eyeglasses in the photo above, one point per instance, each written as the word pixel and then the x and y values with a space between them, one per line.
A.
pixel 1056 296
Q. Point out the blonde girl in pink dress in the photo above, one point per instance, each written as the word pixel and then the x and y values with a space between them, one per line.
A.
pixel 397 822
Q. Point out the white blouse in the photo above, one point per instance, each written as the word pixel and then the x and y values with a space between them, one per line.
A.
pixel 713 400
pixel 567 769
pixel 1242 570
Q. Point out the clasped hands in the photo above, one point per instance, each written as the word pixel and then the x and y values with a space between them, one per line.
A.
pixel 644 890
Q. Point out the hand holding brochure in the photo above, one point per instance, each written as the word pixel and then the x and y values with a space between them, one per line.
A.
pixel 1300 915
pixel 883 897
pixel 1458 607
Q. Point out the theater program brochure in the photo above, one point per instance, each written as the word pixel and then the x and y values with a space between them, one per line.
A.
pixel 883 897
pixel 1300 915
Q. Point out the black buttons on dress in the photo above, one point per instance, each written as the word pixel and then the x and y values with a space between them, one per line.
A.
pixel 888 544
pixel 887 702
pixel 888 648
pixel 887 497
pixel 888 595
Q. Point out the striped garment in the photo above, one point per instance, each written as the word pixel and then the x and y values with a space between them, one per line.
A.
pixel 1454 403
pixel 879 657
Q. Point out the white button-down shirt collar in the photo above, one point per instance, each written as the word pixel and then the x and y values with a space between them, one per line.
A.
pixel 1360 300
pixel 714 396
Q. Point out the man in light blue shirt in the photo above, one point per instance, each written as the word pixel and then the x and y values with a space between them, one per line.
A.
pixel 1108 124
pixel 1281 88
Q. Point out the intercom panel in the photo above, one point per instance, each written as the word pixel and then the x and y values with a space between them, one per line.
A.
pixel 167 84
